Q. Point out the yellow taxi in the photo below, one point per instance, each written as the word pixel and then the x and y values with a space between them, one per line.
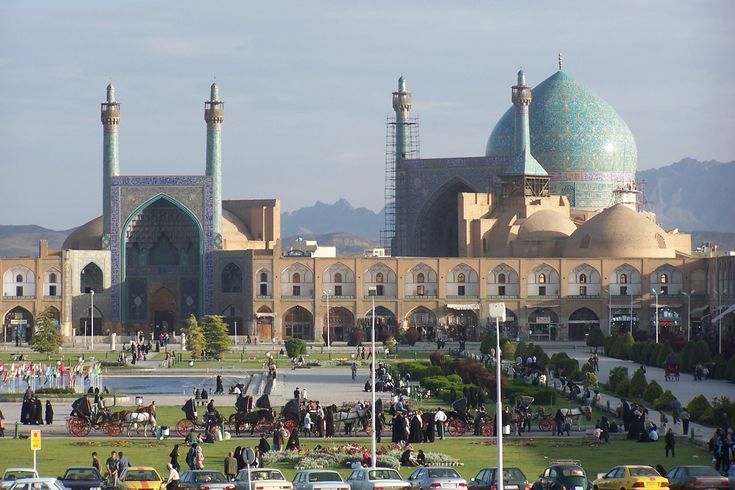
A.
pixel 140 478
pixel 628 477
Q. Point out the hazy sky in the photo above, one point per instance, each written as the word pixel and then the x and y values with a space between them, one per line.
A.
pixel 307 87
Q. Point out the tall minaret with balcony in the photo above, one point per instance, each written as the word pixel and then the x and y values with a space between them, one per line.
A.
pixel 110 115
pixel 402 106
pixel 214 115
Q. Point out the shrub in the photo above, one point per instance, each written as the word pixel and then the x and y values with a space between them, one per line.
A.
pixel 663 402
pixel 390 343
pixel 730 371
pixel 412 336
pixel 508 349
pixel 590 380
pixel 295 347
pixel 697 406
pixel 521 349
pixel 356 336
pixel 720 406
pixel 652 392
pixel 538 352
pixel 638 383
pixel 700 354
pixel 617 375
pixel 623 388
pixel 54 391
pixel 719 368
pixel 596 338
pixel 661 353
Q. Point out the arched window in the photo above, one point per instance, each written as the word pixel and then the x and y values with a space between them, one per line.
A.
pixel 501 278
pixel 379 277
pixel 19 278
pixel 263 277
pixel 52 277
pixel 583 278
pixel 542 278
pixel 296 277
pixel 231 279
pixel 623 278
pixel 337 277
pixel 420 277
pixel 460 277
pixel 91 278
pixel 664 279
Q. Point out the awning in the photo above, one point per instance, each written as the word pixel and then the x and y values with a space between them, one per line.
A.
pixel 726 311
pixel 698 312
pixel 265 315
pixel 541 306
pixel 464 306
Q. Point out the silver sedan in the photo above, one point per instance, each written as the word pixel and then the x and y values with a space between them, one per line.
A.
pixel 319 479
pixel 436 478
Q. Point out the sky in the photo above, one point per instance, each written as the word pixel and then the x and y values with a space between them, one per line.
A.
pixel 307 88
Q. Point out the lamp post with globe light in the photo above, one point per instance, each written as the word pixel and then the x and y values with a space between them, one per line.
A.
pixel 373 291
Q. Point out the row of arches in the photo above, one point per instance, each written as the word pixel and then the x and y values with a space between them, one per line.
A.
pixel 20 281
pixel 19 323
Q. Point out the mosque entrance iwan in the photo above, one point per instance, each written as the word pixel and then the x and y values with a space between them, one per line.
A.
pixel 437 227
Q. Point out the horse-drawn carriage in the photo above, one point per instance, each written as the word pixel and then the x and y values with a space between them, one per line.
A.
pixel 260 420
pixel 352 419
pixel 458 421
pixel 86 416
pixel 672 372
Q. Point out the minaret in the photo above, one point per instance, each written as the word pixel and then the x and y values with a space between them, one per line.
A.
pixel 525 177
pixel 214 115
pixel 110 115
pixel 402 105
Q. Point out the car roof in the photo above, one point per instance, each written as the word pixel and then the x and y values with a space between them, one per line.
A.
pixel 81 468
pixel 264 469
pixel 36 480
pixel 147 468
pixel 19 469
pixel 318 471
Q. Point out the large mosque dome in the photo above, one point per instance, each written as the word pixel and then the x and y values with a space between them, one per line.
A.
pixel 619 232
pixel 580 140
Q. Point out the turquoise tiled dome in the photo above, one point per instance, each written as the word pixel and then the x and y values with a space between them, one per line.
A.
pixel 580 140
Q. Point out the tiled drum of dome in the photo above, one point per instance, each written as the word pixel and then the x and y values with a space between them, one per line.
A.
pixel 580 140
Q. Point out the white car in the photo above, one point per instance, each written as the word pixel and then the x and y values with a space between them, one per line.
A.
pixel 372 478
pixel 12 474
pixel 37 484
pixel 262 479
pixel 319 480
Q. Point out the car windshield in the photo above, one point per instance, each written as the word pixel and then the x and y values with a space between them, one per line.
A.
pixel 142 475
pixel 265 475
pixel 82 474
pixel 703 471
pixel 14 475
pixel 384 475
pixel 209 477
pixel 443 473
pixel 643 471
pixel 572 471
pixel 324 476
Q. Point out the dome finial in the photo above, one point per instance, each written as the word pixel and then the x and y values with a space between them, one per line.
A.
pixel 561 61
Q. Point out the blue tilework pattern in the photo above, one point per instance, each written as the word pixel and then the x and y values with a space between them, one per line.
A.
pixel 580 140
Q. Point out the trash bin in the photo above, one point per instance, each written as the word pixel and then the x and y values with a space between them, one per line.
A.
pixel 138 400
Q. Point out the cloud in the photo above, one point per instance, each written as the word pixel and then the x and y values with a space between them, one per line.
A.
pixel 196 47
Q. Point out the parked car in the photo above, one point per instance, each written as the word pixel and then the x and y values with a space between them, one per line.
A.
pixel 695 477
pixel 12 474
pixel 372 478
pixel 513 479
pixel 731 476
pixel 630 476
pixel 140 478
pixel 563 475
pixel 319 480
pixel 82 478
pixel 262 479
pixel 37 484
pixel 436 477
pixel 204 480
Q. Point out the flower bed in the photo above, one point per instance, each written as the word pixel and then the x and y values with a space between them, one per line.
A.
pixel 346 454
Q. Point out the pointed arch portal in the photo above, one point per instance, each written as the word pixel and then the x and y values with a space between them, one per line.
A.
pixel 437 224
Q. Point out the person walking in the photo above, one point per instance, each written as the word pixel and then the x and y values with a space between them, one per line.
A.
pixel 354 370
pixel 172 482
pixel 675 410
pixel 123 463
pixel 49 413
pixel 231 466
pixel 559 419
pixel 190 455
pixel 278 439
pixel 670 440
pixel 174 455
pixel 685 421
pixel 96 462
pixel 440 419
pixel 198 457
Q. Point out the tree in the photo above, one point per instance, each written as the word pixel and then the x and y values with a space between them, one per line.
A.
pixel 295 347
pixel 596 338
pixel 47 338
pixel 195 342
pixel 216 335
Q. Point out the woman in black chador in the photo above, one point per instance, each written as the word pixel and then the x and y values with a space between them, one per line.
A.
pixel 49 413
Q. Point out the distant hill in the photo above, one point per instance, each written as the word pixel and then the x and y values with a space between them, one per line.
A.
pixel 692 195
pixel 22 240
pixel 324 218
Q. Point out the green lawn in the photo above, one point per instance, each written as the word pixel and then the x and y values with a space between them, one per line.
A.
pixel 528 454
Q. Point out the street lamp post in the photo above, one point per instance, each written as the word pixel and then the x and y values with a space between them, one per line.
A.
pixel 329 344
pixel 689 313
pixel 373 291
pixel 497 310
pixel 91 319
pixel 655 293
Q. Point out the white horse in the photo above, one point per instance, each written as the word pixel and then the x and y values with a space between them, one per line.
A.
pixel 138 420
pixel 350 417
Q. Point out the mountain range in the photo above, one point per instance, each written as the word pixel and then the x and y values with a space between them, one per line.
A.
pixel 689 195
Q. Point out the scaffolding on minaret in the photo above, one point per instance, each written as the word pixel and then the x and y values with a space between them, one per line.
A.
pixel 412 151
